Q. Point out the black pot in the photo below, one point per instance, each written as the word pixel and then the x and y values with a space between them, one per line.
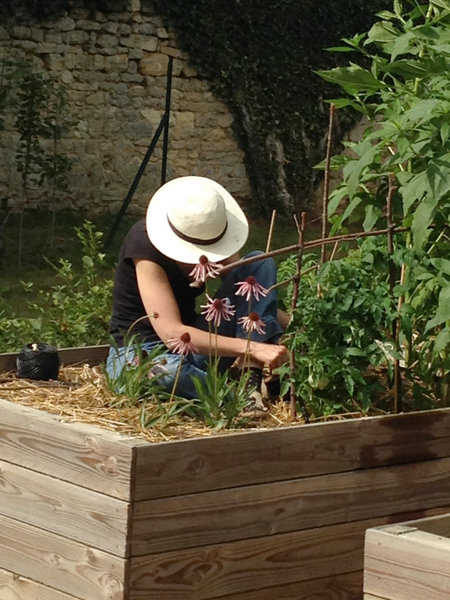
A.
pixel 38 361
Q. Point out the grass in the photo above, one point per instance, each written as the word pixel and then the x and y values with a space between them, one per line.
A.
pixel 45 243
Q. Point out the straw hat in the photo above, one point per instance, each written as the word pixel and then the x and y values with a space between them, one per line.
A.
pixel 193 216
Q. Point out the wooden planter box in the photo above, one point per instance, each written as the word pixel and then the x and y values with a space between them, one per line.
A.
pixel 88 514
pixel 408 561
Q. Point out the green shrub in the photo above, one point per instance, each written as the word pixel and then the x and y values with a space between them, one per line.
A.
pixel 74 312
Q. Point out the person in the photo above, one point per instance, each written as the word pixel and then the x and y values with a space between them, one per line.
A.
pixel 193 226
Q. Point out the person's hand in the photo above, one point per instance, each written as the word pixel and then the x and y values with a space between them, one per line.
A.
pixel 272 355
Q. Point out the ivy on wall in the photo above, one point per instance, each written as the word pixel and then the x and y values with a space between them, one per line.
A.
pixel 260 57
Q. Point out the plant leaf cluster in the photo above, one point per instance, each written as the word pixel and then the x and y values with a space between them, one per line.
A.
pixel 73 312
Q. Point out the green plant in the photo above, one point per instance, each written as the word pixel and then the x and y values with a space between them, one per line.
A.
pixel 340 335
pixel 73 312
pixel 38 105
pixel 221 399
pixel 405 154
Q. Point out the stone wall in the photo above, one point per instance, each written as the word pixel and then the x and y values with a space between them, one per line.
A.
pixel 114 65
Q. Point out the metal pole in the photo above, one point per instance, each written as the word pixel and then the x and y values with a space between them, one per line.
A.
pixel 167 115
pixel 134 185
pixel 163 125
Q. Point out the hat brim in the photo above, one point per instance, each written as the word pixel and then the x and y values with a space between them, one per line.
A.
pixel 166 240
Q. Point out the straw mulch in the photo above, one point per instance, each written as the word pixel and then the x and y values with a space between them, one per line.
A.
pixel 81 395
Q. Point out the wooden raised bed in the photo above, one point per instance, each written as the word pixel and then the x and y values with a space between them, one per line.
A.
pixel 89 514
pixel 409 560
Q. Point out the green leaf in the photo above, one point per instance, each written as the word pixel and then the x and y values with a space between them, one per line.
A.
pixel 441 264
pixel 438 175
pixel 409 69
pixel 372 215
pixel 386 15
pixel 336 198
pixel 401 44
pixel 354 352
pixel 422 110
pixel 442 342
pixel 350 208
pixel 415 188
pixel 441 3
pixel 353 169
pixel 443 309
pixel 340 49
pixel 423 218
pixel 445 131
pixel 344 102
pixel 381 32
pixel 352 79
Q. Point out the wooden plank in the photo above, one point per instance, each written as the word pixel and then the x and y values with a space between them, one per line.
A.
pixel 188 466
pixel 77 513
pixel 83 454
pixel 250 565
pixel 14 587
pixel 339 587
pixel 90 355
pixel 59 563
pixel 411 564
pixel 257 511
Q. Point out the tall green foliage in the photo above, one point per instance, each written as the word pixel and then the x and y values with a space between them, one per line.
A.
pixel 404 92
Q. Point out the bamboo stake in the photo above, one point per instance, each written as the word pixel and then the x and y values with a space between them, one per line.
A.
pixel 292 394
pixel 311 244
pixel 326 183
pixel 270 234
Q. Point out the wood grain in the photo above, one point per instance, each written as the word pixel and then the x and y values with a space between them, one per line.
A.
pixel 60 563
pixel 263 510
pixel 340 587
pixel 188 466
pixel 14 587
pixel 63 508
pixel 250 565
pixel 409 564
pixel 82 454
pixel 90 355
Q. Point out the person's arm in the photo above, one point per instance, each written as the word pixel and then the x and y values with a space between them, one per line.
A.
pixel 161 306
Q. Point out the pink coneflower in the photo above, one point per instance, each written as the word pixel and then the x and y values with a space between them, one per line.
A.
pixel 218 309
pixel 250 288
pixel 182 345
pixel 252 322
pixel 205 270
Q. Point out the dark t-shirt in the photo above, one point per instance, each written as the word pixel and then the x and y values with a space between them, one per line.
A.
pixel 127 303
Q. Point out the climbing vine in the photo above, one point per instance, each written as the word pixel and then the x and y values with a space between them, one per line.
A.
pixel 260 58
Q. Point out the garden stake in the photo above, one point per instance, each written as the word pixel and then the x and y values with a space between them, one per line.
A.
pixel 269 235
pixel 301 237
pixel 311 244
pixel 326 184
pixel 397 383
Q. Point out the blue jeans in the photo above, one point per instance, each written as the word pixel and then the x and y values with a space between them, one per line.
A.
pixel 194 365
